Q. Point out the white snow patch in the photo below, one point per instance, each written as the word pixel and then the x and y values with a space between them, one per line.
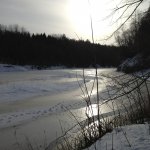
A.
pixel 131 137
pixel 130 62
pixel 21 90
pixel 12 68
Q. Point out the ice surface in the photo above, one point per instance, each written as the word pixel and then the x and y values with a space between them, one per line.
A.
pixel 27 94
pixel 30 100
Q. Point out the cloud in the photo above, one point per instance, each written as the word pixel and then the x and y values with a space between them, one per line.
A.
pixel 36 15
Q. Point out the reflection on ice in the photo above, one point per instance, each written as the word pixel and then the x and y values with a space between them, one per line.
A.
pixel 31 100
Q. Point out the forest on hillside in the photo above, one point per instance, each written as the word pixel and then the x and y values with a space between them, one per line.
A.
pixel 136 40
pixel 20 47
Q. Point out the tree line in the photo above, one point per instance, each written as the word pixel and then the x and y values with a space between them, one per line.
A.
pixel 17 46
pixel 136 39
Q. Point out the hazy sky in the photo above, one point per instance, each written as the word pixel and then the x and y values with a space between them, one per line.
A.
pixel 71 17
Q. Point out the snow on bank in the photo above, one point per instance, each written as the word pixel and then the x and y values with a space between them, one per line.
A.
pixel 130 62
pixel 131 137
pixel 10 68
pixel 138 62
pixel 16 68
pixel 145 72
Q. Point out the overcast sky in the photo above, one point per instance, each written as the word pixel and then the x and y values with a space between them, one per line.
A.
pixel 71 17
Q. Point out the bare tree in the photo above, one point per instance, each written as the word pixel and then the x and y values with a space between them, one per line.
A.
pixel 127 37
pixel 126 8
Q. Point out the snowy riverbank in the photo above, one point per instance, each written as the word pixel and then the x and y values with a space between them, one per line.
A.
pixel 130 137
pixel 33 101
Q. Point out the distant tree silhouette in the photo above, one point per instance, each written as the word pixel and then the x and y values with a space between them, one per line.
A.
pixel 137 37
pixel 143 34
pixel 127 8
pixel 20 47
pixel 136 40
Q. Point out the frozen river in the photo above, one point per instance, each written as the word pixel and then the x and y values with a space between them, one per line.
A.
pixel 33 103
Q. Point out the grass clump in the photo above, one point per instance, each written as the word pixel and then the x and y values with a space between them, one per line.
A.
pixel 128 99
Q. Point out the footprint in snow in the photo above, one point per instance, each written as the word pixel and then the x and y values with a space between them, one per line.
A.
pixel 28 113
pixel 45 111
pixel 38 112
pixel 8 121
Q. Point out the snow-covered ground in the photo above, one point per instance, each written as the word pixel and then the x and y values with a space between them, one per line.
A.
pixel 22 91
pixel 14 68
pixel 27 94
pixel 131 137
pixel 32 100
pixel 10 68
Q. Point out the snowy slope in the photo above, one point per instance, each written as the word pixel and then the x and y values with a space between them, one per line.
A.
pixel 132 137
pixel 137 63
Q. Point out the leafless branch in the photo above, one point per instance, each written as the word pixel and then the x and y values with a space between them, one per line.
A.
pixel 125 20
pixel 127 4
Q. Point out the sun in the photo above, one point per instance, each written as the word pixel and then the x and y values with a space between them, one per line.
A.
pixel 80 12
pixel 79 16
